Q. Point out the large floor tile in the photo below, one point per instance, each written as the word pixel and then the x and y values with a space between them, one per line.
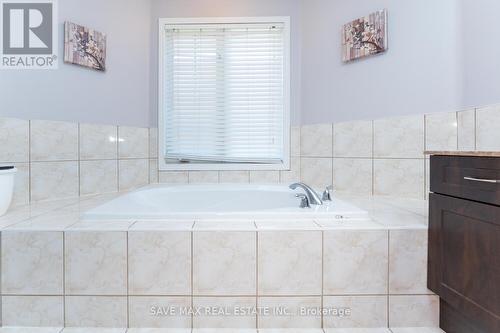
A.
pixel 30 329
pixel 413 311
pixel 355 311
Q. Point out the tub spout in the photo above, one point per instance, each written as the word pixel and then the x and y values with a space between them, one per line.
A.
pixel 313 197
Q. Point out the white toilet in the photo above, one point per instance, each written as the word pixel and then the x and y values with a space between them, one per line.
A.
pixel 7 175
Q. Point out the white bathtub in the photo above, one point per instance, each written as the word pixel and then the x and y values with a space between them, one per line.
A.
pixel 217 201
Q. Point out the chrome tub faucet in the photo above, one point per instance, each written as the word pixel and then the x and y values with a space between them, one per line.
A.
pixel 311 195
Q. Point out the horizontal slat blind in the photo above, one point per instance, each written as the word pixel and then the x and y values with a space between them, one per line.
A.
pixel 224 93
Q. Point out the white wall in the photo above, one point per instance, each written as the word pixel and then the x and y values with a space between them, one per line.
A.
pixel 119 96
pixel 481 52
pixel 420 73
pixel 215 8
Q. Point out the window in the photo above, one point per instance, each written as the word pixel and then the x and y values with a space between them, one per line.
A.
pixel 224 94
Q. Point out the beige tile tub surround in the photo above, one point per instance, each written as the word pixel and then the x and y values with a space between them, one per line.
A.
pixel 408 262
pixel 32 263
pixel 293 320
pixel 98 177
pixel 224 263
pixel 54 180
pixel 140 312
pixel 211 321
pixel 413 311
pixel 289 263
pixel 95 311
pixel 33 311
pixel 400 137
pixel 355 262
pixel 441 131
pixel 133 173
pixel 316 172
pixel 466 130
pixel 148 255
pixel 316 140
pixel 133 142
pixel 399 177
pixel 353 139
pixel 53 141
pixel 14 140
pixel 96 263
pixel 353 175
pixel 98 142
pixel 366 311
pixel 488 128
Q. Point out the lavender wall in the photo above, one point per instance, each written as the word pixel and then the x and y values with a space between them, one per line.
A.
pixel 420 73
pixel 119 96
pixel 216 8
pixel 481 52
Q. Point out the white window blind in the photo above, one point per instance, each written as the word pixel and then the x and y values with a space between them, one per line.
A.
pixel 224 93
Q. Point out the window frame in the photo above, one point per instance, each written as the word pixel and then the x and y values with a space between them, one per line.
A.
pixel 285 164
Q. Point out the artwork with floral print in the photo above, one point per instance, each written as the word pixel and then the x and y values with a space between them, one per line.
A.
pixel 365 36
pixel 84 46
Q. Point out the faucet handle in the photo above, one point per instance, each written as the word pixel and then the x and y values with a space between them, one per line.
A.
pixel 327 194
pixel 304 200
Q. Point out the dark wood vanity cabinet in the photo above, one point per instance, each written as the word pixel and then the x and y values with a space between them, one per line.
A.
pixel 464 242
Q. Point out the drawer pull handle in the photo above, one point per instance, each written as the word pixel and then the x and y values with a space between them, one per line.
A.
pixel 491 181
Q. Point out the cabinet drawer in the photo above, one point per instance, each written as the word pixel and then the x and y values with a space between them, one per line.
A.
pixel 474 178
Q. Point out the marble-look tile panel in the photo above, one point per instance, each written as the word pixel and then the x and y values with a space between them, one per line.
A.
pixel 14 136
pixel 364 311
pixel 95 311
pixel 466 129
pixel 98 142
pixel 353 175
pixel 295 141
pixel 32 311
pixel 399 177
pixel 355 262
pixel 234 176
pixel 159 263
pixel 31 329
pixel 316 172
pixel 292 318
pixel 232 318
pixel 203 177
pixel 408 262
pixel 289 263
pixel 441 131
pixel 488 128
pixel 316 140
pixel 98 177
pixel 133 173
pixel 151 312
pixel 54 180
pixel 133 142
pixel 265 177
pixel 153 171
pixel 413 311
pixel 53 141
pixel 353 139
pixel 173 177
pixel 96 263
pixel 32 263
pixel 153 143
pixel 399 137
pixel 224 263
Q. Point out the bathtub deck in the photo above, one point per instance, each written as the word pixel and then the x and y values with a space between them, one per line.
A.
pixel 69 273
